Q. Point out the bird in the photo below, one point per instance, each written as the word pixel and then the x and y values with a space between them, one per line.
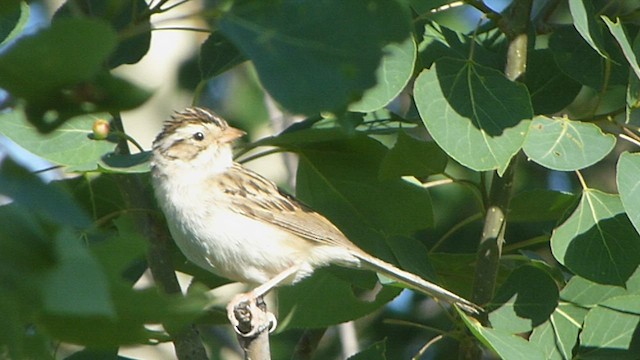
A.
pixel 239 225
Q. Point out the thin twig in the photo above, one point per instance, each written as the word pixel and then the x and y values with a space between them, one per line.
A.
pixel 454 229
pixel 581 180
pixel 630 139
pixel 426 347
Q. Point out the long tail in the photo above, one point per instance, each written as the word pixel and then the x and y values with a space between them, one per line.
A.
pixel 416 282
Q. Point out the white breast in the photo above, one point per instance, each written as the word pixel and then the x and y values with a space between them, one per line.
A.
pixel 227 243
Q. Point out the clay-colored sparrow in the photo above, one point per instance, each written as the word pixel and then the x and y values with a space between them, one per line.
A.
pixel 237 224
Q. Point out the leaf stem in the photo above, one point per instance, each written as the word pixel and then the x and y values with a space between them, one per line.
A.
pixel 261 154
pixel 453 230
pixel 122 135
pixel 581 180
pixel 542 239
pixel 426 347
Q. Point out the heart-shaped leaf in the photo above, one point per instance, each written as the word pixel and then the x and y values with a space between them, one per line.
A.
pixel 598 241
pixel 474 113
pixel 566 145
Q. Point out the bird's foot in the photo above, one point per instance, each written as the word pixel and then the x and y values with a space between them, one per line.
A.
pixel 249 315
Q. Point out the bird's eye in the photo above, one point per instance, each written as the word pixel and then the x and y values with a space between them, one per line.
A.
pixel 198 136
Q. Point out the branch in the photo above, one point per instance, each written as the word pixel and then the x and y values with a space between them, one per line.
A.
pixel 186 341
pixel 490 248
pixel 307 344
pixel 514 25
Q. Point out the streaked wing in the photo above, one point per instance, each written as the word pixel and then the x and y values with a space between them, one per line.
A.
pixel 252 195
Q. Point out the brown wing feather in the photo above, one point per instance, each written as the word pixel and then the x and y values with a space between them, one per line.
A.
pixel 246 191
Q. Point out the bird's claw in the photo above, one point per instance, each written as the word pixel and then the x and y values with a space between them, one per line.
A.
pixel 249 317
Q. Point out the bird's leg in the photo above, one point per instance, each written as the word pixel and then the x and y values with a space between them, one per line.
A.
pixel 247 311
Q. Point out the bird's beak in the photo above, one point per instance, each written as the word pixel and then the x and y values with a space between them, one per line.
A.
pixel 230 134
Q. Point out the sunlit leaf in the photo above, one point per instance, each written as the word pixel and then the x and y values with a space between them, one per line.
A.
pixel 71 145
pixel 585 293
pixel 393 74
pixel 618 32
pixel 474 113
pixel 521 307
pixel 558 336
pixel 584 20
pixel 598 241
pixel 629 186
pixel 610 330
pixel 563 144
pixel 506 345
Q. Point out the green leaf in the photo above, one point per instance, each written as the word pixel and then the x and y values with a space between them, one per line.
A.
pixel 25 247
pixel 122 15
pixel 629 186
pixel 610 330
pixel 376 351
pixel 335 295
pixel 566 145
pixel 71 145
pixel 125 164
pixel 315 63
pixel 456 271
pixel 627 303
pixel 633 284
pixel 217 55
pixel 597 241
pixel 576 59
pixel 49 201
pixel 506 345
pixel 410 156
pixel 633 90
pixel 339 178
pixel 135 309
pixel 521 307
pixel 118 253
pixel 77 285
pixel 619 34
pixel 74 50
pixel 393 74
pixel 13 21
pixel 588 294
pixel 439 42
pixel 551 90
pixel 540 205
pixel 474 113
pixel 559 335
pixel 584 20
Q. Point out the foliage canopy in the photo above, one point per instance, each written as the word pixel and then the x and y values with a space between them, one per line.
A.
pixel 498 159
